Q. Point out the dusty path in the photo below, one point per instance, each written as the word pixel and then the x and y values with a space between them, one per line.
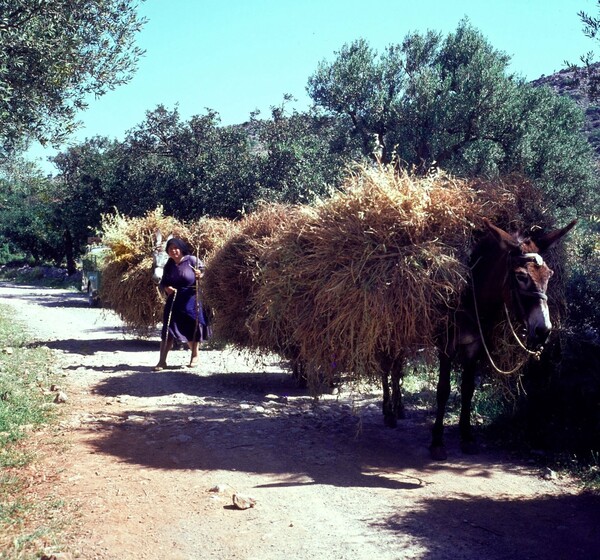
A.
pixel 329 480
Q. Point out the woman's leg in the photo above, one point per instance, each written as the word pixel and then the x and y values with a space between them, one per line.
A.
pixel 194 357
pixel 165 346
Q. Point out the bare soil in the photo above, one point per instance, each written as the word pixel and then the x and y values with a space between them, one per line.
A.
pixel 154 459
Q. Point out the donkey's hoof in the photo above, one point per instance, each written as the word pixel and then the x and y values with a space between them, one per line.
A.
pixel 438 453
pixel 469 447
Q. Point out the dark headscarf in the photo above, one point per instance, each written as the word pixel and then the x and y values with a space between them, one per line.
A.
pixel 180 244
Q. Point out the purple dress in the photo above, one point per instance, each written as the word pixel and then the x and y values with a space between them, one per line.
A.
pixel 183 317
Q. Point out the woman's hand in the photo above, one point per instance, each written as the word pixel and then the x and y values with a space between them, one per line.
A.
pixel 198 272
pixel 170 290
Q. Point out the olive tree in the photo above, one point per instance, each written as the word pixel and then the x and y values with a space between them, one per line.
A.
pixel 53 55
pixel 451 102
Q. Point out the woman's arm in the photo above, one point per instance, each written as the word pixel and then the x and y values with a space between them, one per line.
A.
pixel 167 279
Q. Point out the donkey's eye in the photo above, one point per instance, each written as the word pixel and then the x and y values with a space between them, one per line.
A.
pixel 522 277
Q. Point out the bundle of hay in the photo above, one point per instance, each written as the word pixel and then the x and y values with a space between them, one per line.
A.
pixel 127 287
pixel 372 271
pixel 207 235
pixel 234 270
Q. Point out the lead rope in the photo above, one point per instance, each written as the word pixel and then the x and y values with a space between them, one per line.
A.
pixel 535 353
pixel 503 372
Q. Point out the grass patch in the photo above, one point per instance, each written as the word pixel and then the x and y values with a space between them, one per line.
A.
pixel 27 521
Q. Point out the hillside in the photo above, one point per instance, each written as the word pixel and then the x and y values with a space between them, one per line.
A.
pixel 568 82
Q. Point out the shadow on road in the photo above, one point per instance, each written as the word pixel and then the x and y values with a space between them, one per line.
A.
pixel 264 423
pixel 91 346
pixel 48 297
pixel 557 527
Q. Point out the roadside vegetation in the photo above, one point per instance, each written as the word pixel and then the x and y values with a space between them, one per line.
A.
pixel 28 521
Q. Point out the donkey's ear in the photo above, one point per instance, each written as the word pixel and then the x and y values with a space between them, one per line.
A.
pixel 504 239
pixel 546 241
pixel 170 236
pixel 158 236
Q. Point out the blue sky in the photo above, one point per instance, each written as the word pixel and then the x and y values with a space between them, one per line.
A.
pixel 235 56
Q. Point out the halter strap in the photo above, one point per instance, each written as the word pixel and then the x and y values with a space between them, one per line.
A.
pixel 532 257
pixel 528 293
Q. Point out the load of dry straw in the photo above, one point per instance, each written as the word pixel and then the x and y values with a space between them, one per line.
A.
pixel 235 271
pixel 127 286
pixel 371 272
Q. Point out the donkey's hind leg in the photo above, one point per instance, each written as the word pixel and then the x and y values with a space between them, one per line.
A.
pixel 437 448
pixel 468 444
pixel 397 375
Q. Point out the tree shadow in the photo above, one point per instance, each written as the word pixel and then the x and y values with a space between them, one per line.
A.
pixel 263 423
pixel 246 386
pixel 558 527
pixel 49 297
pixel 86 346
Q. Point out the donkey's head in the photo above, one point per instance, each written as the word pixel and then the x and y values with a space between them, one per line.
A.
pixel 527 278
pixel 159 256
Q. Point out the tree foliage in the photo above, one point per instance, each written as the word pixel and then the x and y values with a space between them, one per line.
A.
pixel 299 156
pixel 429 101
pixel 29 221
pixel 53 55
pixel 194 167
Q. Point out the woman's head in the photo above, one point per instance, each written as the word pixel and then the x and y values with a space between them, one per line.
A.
pixel 175 245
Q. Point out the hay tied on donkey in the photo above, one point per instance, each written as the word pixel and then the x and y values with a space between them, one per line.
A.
pixel 237 270
pixel 365 279
pixel 355 285
pixel 127 286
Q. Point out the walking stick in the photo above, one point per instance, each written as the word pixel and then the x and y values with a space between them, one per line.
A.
pixel 197 286
pixel 163 343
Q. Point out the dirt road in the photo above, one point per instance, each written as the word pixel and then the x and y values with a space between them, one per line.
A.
pixel 154 459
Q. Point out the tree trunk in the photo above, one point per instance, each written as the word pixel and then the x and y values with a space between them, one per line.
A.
pixel 71 266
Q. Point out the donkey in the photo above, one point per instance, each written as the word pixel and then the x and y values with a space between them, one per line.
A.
pixel 507 273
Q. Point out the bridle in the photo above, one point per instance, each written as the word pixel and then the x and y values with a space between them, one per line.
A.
pixel 516 289
pixel 537 294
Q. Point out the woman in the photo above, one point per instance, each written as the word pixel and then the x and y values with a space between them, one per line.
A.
pixel 183 318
